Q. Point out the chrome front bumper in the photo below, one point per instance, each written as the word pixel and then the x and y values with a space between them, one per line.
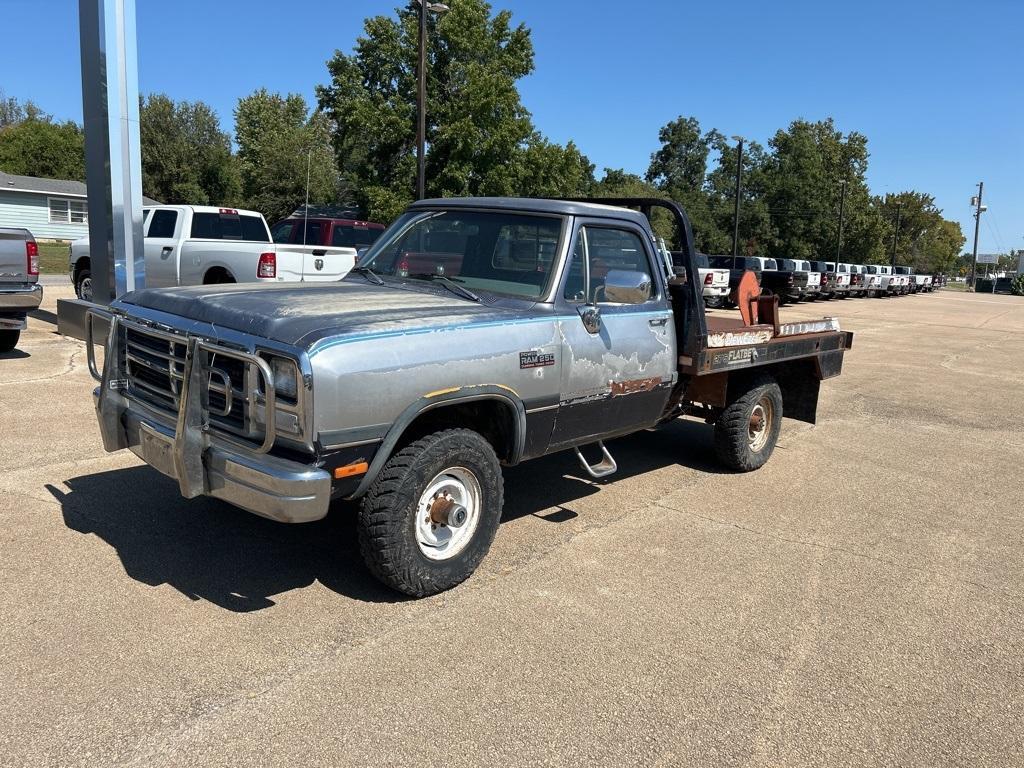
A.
pixel 205 464
pixel 21 298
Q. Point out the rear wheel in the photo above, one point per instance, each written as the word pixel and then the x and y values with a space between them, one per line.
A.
pixel 83 285
pixel 748 429
pixel 9 340
pixel 431 514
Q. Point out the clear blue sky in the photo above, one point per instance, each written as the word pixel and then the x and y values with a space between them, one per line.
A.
pixel 938 87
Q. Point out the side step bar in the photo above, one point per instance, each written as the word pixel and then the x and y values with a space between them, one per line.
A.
pixel 606 466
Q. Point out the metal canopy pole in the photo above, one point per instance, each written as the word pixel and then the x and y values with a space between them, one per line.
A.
pixel 113 162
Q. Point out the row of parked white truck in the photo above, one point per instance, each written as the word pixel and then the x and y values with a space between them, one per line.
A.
pixel 807 280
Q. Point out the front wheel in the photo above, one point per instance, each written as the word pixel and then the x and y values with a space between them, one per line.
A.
pixel 748 428
pixel 9 340
pixel 431 514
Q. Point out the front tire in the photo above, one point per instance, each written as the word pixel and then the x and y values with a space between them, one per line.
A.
pixel 9 340
pixel 748 429
pixel 431 514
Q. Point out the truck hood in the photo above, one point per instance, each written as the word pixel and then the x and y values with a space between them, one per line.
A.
pixel 302 314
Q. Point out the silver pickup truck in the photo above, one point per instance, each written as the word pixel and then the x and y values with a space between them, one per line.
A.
pixel 474 333
pixel 20 291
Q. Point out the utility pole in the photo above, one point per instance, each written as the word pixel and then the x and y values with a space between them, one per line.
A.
pixel 978 208
pixel 896 232
pixel 842 207
pixel 421 97
pixel 736 210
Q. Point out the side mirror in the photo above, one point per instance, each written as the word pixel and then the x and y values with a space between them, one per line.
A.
pixel 626 286
pixel 591 317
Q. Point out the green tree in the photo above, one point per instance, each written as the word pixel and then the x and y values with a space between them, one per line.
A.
pixel 679 169
pixel 33 144
pixel 755 230
pixel 803 184
pixel 481 138
pixel 278 140
pixel 926 240
pixel 617 182
pixel 546 169
pixel 186 158
pixel 13 111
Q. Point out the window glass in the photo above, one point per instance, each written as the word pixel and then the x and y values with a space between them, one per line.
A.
pixel 282 233
pixel 702 261
pixel 353 236
pixel 59 212
pixel 309 232
pixel 788 264
pixel 770 264
pixel 76 209
pixel 229 226
pixel 163 224
pixel 721 262
pixel 806 266
pixel 605 249
pixel 504 253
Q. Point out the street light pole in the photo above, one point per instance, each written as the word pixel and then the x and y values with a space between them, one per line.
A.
pixel 896 232
pixel 977 222
pixel 421 96
pixel 736 209
pixel 842 206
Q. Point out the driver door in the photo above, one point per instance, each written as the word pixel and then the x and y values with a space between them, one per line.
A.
pixel 617 377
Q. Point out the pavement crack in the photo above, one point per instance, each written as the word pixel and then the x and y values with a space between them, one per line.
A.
pixel 69 368
pixel 844 550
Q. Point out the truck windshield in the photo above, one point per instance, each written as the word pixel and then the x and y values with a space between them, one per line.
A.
pixel 505 253
pixel 788 264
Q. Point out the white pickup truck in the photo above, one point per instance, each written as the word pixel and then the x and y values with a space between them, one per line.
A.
pixel 887 284
pixel 715 282
pixel 200 245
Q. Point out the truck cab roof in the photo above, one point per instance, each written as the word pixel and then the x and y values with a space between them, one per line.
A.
pixel 536 205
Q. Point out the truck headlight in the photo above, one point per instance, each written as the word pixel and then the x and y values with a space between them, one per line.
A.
pixel 286 378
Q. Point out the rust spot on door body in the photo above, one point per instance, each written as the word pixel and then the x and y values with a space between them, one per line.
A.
pixel 634 385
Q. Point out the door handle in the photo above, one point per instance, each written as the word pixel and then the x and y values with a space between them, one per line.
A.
pixel 657 322
pixel 320 252
pixel 166 249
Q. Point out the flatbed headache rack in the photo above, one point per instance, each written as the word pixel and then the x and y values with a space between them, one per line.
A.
pixel 715 344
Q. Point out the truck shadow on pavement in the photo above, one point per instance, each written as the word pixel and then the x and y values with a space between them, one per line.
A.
pixel 209 550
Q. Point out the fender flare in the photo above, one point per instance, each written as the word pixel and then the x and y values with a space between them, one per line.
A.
pixel 429 402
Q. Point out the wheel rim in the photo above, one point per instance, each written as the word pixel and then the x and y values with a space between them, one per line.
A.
pixel 438 532
pixel 85 289
pixel 759 427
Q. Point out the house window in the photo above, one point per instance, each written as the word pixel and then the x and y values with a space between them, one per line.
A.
pixel 63 211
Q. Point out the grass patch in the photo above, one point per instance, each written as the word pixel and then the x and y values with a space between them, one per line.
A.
pixel 951 286
pixel 53 258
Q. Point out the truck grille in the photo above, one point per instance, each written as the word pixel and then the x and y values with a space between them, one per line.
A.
pixel 155 367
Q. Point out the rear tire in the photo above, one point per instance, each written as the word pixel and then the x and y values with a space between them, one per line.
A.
pixel 83 285
pixel 400 538
pixel 9 340
pixel 748 429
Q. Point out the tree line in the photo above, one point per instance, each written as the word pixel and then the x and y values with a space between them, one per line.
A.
pixel 358 145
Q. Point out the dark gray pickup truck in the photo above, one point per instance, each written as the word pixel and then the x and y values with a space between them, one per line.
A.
pixel 20 291
pixel 474 333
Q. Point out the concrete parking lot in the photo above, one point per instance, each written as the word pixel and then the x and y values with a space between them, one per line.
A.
pixel 856 602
